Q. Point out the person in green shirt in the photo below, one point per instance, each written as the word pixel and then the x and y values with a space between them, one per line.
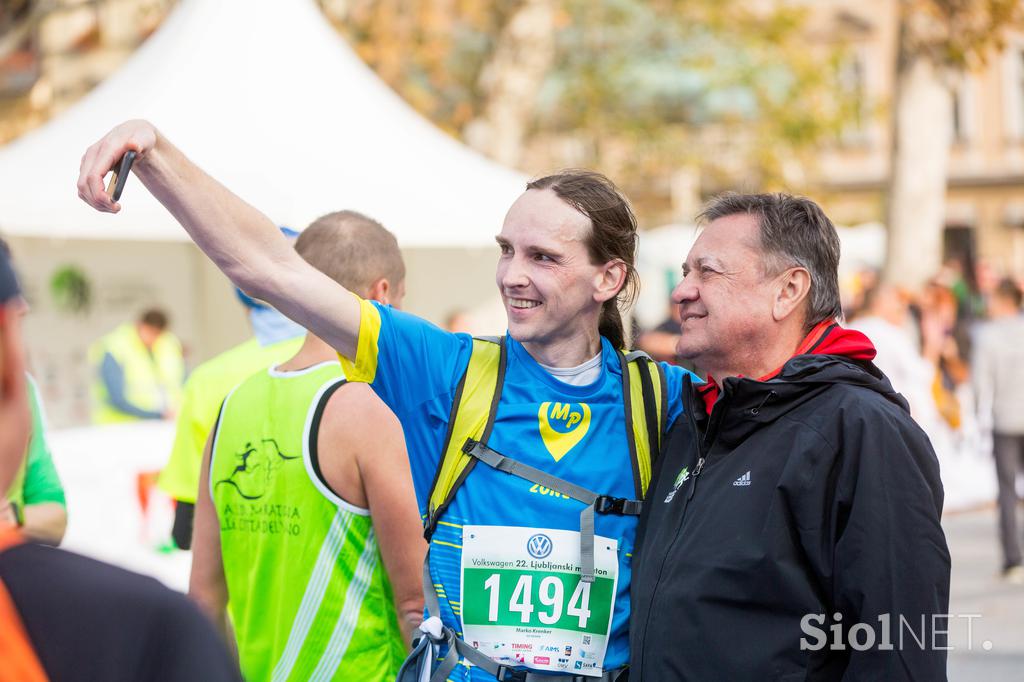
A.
pixel 35 501
pixel 307 534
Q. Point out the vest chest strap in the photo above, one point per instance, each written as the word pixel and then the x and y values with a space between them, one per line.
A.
pixel 596 503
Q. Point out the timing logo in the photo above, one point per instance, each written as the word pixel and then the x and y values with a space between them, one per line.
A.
pixel 539 546
pixel 563 426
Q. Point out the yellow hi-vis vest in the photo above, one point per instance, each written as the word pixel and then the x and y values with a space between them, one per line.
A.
pixel 152 378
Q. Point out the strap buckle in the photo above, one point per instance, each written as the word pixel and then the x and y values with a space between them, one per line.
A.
pixel 606 504
pixel 506 674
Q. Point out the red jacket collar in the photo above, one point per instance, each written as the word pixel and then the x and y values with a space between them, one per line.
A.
pixel 828 338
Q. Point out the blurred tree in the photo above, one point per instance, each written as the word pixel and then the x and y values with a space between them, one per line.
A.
pixel 431 51
pixel 17 19
pixel 734 93
pixel 511 79
pixel 660 94
pixel 937 39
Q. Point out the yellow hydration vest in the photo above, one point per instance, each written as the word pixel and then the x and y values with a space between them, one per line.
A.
pixel 469 428
pixel 476 402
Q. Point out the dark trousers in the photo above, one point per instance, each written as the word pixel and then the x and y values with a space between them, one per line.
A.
pixel 1009 455
pixel 181 532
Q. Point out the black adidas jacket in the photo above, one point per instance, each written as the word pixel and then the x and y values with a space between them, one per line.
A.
pixel 817 495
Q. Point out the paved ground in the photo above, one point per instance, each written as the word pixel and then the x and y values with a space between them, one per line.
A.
pixel 992 649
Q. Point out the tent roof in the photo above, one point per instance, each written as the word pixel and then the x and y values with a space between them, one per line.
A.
pixel 267 98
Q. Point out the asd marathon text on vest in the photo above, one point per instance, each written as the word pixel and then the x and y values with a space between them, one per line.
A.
pixel 923 632
pixel 261 517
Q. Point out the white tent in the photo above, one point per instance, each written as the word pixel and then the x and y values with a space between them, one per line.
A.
pixel 266 97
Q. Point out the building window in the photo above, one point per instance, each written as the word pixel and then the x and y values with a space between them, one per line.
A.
pixel 963 110
pixel 1013 92
pixel 1019 94
pixel 958 119
pixel 852 80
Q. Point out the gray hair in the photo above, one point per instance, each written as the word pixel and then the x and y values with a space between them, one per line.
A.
pixel 794 231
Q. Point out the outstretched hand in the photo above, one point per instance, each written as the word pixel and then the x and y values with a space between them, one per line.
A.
pixel 99 159
pixel 245 244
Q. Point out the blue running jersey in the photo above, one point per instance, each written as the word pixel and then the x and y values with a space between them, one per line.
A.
pixel 577 433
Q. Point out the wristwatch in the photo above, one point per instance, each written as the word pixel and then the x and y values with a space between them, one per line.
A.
pixel 19 513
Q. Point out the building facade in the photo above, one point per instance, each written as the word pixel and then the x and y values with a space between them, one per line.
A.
pixel 985 192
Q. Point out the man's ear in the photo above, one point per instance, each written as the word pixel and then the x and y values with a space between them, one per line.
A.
pixel 379 291
pixel 609 280
pixel 794 285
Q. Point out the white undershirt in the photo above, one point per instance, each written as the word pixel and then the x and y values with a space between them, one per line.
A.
pixel 580 375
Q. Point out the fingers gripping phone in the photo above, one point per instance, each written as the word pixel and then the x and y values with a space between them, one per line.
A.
pixel 120 176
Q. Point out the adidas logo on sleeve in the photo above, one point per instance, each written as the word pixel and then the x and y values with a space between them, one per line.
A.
pixel 743 480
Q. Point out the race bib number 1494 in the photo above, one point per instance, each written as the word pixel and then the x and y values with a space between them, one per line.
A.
pixel 524 603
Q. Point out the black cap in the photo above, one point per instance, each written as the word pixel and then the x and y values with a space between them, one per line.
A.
pixel 8 282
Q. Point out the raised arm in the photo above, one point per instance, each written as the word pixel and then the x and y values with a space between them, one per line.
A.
pixel 241 241
pixel 369 466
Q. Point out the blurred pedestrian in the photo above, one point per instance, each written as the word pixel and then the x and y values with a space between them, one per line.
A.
pixel 998 369
pixel 886 320
pixel 138 371
pixel 64 617
pixel 459 321
pixel 35 500
pixel 938 319
pixel 660 342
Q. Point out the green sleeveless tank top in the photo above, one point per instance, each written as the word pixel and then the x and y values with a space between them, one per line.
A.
pixel 308 596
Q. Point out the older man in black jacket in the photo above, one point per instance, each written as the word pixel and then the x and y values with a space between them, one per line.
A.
pixel 792 531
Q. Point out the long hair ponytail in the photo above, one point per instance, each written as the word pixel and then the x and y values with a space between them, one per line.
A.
pixel 613 235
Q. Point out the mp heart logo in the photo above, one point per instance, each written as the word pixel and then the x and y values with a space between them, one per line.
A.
pixel 563 426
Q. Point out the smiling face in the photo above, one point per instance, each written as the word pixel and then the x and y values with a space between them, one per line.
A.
pixel 551 291
pixel 726 302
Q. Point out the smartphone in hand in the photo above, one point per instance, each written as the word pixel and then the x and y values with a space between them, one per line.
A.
pixel 120 176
